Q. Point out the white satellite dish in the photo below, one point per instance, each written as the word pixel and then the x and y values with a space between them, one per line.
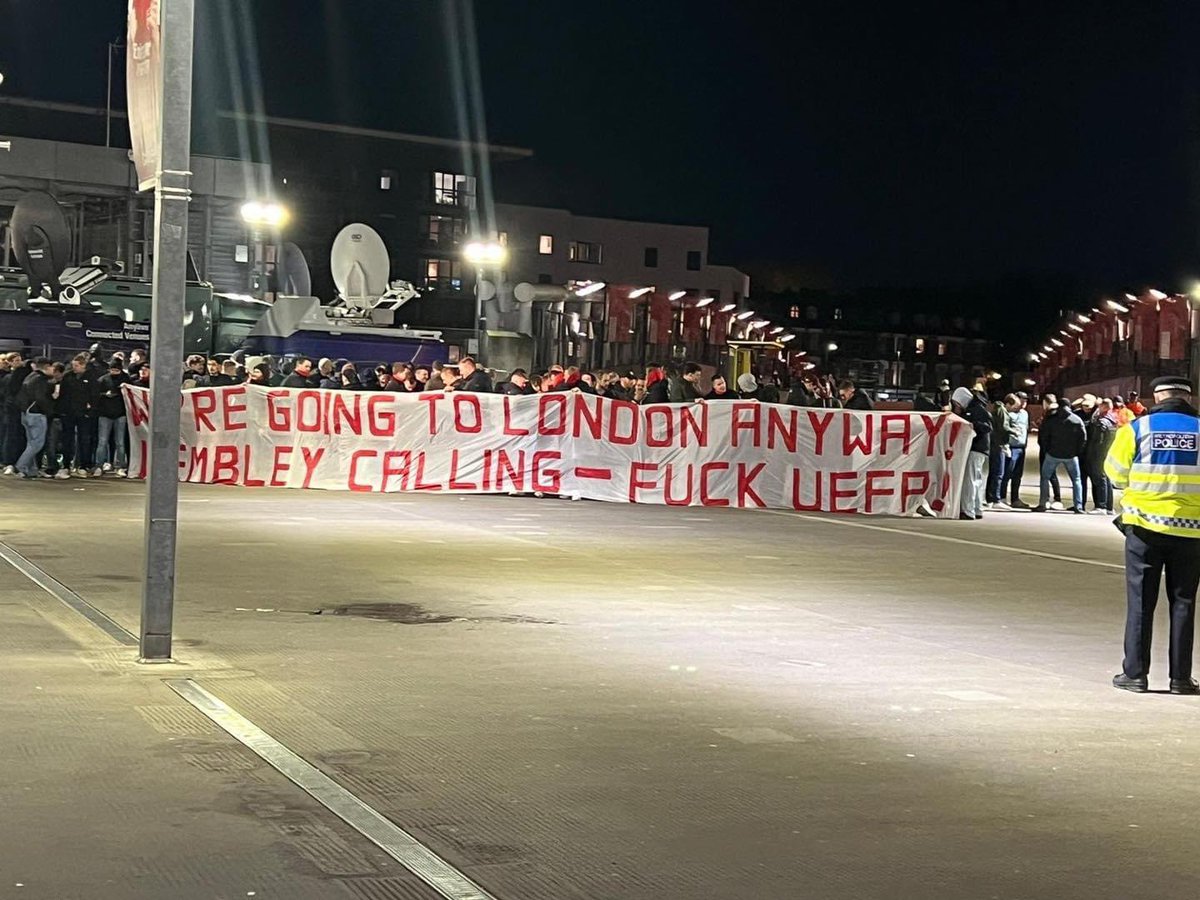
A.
pixel 360 265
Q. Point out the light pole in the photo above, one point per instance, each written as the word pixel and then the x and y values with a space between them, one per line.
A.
pixel 260 216
pixel 172 193
pixel 480 254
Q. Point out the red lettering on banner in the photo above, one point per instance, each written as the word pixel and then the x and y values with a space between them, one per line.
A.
pixel 204 404
pixel 688 422
pixel 554 485
pixel 310 458
pixel 279 417
pixel 139 407
pixel 508 426
pixel 352 481
pixel 593 416
pixel 871 492
pixel 391 470
pixel 913 484
pixel 623 438
pixel 545 401
pixel 706 498
pixel 225 460
pixel 278 466
pixel 955 427
pixel 308 411
pixel 797 501
pixel 420 484
pixel 932 427
pixel 777 428
pixel 686 500
pixel 745 484
pixel 433 400
pixel 635 481
pixel 861 441
pixel 455 484
pixel 505 469
pixel 247 481
pixel 233 405
pixel 382 422
pixel 888 433
pixel 344 410
pixel 667 415
pixel 836 494
pixel 739 423
pixel 143 458
pixel 820 424
pixel 468 401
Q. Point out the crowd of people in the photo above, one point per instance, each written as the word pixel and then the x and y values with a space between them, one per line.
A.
pixel 66 419
pixel 1074 436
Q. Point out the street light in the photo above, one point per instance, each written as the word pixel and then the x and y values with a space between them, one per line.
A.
pixel 744 315
pixel 640 292
pixel 678 295
pixel 1117 307
pixel 260 217
pixel 588 289
pixel 480 254
pixel 703 301
pixel 832 348
pixel 728 307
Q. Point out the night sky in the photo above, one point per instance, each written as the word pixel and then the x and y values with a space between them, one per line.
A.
pixel 918 144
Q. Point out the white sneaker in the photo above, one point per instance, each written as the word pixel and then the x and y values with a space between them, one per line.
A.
pixel 19 474
pixel 121 473
pixel 10 470
pixel 80 473
pixel 106 468
pixel 1057 504
pixel 1003 504
pixel 61 475
pixel 97 472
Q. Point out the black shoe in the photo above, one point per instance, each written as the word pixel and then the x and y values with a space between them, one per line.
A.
pixel 965 518
pixel 1077 511
pixel 1038 508
pixel 1125 683
pixel 1184 686
pixel 1020 504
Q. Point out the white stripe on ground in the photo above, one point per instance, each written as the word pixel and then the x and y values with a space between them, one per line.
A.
pixel 950 540
pixel 389 837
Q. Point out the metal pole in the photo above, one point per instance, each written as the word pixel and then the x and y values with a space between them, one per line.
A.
pixel 172 193
pixel 479 314
pixel 108 103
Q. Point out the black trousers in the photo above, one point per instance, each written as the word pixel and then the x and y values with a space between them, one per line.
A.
pixel 1147 555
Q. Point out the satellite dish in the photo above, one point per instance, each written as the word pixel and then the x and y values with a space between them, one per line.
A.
pixel 294 277
pixel 360 265
pixel 41 240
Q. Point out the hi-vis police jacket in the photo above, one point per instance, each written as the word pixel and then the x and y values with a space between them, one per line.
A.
pixel 1156 461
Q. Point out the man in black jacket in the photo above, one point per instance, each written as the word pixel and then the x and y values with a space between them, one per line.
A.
pixel 1062 438
pixel 517 385
pixel 473 379
pixel 852 397
pixel 77 415
pixel 300 374
pixel 14 438
pixel 36 402
pixel 110 406
pixel 971 407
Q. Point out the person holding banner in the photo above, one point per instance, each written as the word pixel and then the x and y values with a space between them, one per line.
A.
pixel 971 407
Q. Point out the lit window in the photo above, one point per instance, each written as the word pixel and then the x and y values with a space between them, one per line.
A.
pixel 442 274
pixel 453 190
pixel 546 244
pixel 502 238
pixel 920 345
pixel 584 252
pixel 444 231
pixel 694 260
pixel 941 349
pixel 794 312
pixel 385 181
pixel 837 313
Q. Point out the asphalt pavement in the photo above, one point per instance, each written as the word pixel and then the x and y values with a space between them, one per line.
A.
pixel 584 700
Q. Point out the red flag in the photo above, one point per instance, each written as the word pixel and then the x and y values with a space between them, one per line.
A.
pixel 143 75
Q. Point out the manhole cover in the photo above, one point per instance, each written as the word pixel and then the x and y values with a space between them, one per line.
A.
pixel 403 613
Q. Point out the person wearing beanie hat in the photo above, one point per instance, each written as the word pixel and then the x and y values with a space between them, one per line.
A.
pixel 965 403
pixel 747 386
pixel 1062 439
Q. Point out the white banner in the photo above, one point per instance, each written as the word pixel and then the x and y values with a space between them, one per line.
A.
pixel 719 453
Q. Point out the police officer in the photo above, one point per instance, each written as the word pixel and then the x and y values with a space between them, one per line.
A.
pixel 1156 461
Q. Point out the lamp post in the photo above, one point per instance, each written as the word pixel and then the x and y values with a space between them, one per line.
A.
pixel 480 254
pixel 261 216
